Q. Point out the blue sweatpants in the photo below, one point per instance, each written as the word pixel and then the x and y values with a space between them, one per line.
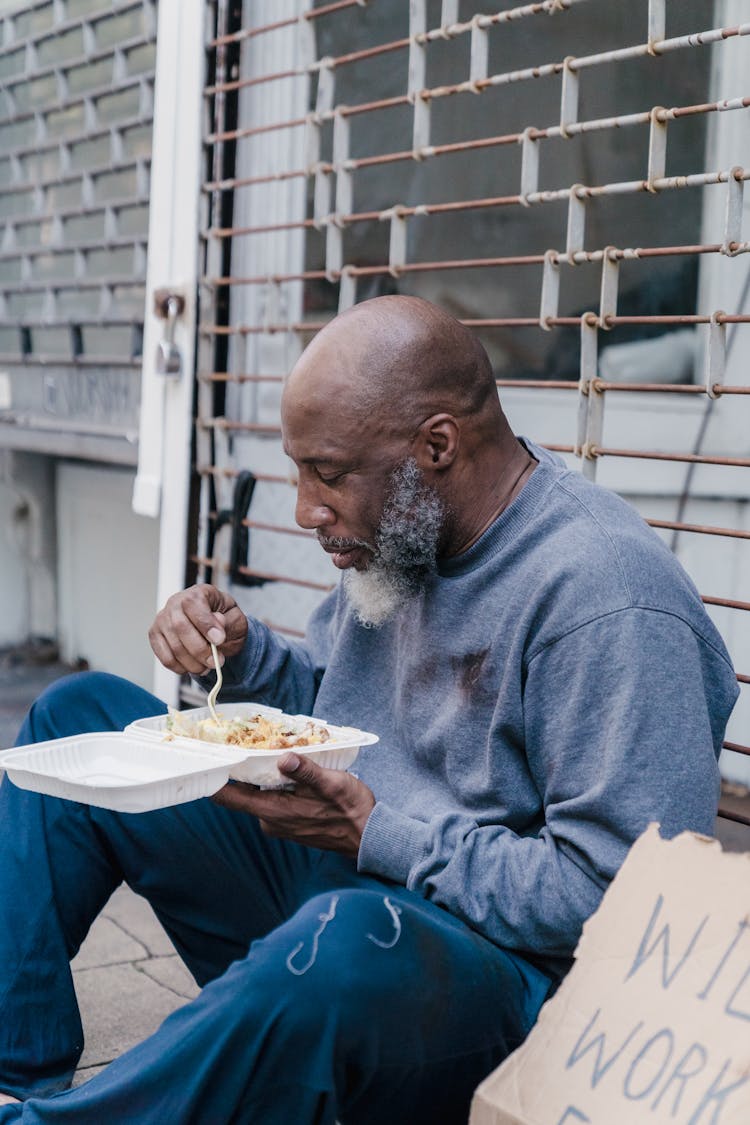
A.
pixel 326 994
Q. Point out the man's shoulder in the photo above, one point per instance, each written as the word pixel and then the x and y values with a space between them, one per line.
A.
pixel 591 554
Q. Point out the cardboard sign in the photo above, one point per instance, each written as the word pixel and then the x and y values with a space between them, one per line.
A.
pixel 652 1024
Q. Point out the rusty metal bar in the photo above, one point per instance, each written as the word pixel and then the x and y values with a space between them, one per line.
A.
pixel 266 576
pixel 231 473
pixel 286 629
pixel 695 39
pixel 244 83
pixel 232 232
pixel 560 195
pixel 245 427
pixel 557 256
pixel 254 131
pixel 298 72
pixel 554 448
pixel 700 529
pixel 553 131
pixel 650 455
pixel 270 576
pixel 259 525
pixel 488 322
pixel 725 603
pixel 540 384
pixel 669 388
pixel 314 13
pixel 726 814
pixel 268 279
pixel 573 64
pixel 250 329
pixel 737 747
pixel 542 6
pixel 523 384
pixel 227 377
pixel 251 181
pixel 295 122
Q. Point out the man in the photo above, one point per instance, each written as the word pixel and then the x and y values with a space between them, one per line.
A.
pixel 544 681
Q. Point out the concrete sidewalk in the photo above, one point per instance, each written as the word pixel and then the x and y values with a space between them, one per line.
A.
pixel 128 979
pixel 127 975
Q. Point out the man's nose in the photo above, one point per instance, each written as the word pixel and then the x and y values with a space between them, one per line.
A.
pixel 310 511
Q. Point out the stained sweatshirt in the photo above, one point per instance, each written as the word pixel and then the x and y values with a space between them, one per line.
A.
pixel 552 690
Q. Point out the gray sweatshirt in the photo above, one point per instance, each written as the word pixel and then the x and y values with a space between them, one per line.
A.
pixel 554 689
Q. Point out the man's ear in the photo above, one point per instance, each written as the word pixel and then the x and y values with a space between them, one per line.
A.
pixel 436 442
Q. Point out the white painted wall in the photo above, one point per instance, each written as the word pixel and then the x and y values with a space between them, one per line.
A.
pixel 107 571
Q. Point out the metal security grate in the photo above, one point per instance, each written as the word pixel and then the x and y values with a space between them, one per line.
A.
pixel 566 176
pixel 76 104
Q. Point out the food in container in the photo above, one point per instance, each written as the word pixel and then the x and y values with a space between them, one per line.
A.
pixel 254 731
pixel 333 747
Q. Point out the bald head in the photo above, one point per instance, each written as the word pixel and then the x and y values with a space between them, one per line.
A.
pixel 397 384
pixel 399 355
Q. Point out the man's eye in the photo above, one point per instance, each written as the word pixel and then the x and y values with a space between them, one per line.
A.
pixel 330 478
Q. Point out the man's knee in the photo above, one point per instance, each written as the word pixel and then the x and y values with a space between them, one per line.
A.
pixel 316 977
pixel 343 944
pixel 87 701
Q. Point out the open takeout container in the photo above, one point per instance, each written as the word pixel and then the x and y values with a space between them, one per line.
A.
pixel 113 770
pixel 259 767
pixel 145 767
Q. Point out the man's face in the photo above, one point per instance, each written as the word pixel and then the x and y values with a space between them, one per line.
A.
pixel 366 500
pixel 343 466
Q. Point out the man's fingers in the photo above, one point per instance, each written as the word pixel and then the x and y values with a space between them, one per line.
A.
pixel 303 769
pixel 201 609
pixel 173 656
pixel 216 617
pixel 180 649
pixel 236 795
pixel 190 621
pixel 325 809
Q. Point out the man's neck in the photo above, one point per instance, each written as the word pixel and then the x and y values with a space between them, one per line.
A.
pixel 512 474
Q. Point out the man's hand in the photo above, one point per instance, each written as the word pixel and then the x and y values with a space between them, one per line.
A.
pixel 182 631
pixel 326 809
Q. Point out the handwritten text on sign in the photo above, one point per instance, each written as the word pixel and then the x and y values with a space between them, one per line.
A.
pixel 652 1024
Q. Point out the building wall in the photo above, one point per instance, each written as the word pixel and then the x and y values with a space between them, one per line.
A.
pixel 14 592
pixel 106 575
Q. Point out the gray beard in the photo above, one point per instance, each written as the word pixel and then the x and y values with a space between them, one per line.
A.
pixel 406 549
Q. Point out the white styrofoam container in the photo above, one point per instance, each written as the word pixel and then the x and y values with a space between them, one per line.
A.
pixel 114 771
pixel 259 766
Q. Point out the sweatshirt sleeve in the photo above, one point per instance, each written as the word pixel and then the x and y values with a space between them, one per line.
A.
pixel 623 720
pixel 277 671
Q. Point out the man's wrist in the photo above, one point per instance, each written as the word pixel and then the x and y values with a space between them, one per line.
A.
pixel 391 844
